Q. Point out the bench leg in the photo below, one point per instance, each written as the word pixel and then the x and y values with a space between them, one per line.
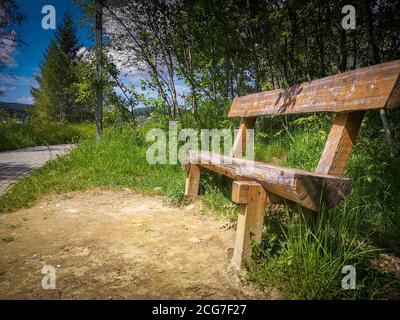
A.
pixel 192 182
pixel 251 197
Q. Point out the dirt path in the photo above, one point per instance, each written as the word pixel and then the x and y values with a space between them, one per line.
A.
pixel 117 245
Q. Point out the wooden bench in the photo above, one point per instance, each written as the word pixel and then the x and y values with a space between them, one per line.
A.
pixel 349 95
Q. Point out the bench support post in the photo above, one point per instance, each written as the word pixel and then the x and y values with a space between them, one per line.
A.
pixel 239 145
pixel 192 182
pixel 251 197
pixel 341 140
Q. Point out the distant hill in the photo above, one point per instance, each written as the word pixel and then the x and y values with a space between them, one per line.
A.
pixel 143 112
pixel 16 110
pixel 19 110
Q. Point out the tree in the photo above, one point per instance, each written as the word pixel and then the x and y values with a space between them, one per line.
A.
pixel 10 16
pixel 143 31
pixel 55 97
pixel 117 106
pixel 224 49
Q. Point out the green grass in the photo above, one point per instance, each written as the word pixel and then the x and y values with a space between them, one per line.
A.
pixel 304 262
pixel 215 202
pixel 120 161
pixel 16 135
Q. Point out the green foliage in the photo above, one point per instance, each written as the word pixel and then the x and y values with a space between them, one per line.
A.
pixel 175 193
pixel 306 263
pixel 17 135
pixel 10 17
pixel 216 203
pixel 225 49
pixel 116 108
pixel 55 97
pixel 374 203
pixel 68 84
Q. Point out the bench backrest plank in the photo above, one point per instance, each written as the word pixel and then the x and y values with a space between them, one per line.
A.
pixel 370 88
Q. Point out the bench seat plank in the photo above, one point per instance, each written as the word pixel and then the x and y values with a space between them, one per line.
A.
pixel 370 88
pixel 305 188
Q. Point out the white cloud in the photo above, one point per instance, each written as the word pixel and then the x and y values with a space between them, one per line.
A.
pixel 26 99
pixel 126 66
pixel 11 81
pixel 182 89
pixel 123 57
pixel 82 51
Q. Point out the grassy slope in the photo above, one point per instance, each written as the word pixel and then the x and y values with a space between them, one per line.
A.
pixel 16 136
pixel 303 262
pixel 119 162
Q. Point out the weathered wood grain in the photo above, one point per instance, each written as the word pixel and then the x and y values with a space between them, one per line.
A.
pixel 341 140
pixel 239 145
pixel 251 197
pixel 307 189
pixel 394 99
pixel 192 182
pixel 370 88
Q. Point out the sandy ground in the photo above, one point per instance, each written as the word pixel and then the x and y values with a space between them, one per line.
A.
pixel 117 245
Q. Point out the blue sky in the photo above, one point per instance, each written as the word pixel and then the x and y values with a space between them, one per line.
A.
pixel 27 58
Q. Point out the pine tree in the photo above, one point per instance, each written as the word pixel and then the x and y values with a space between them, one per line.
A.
pixel 55 97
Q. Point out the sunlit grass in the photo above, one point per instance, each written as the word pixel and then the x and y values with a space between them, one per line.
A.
pixel 303 261
pixel 120 161
pixel 17 135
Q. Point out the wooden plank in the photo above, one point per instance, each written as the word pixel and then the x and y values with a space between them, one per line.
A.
pixel 274 199
pixel 305 188
pixel 250 220
pixel 370 88
pixel 240 191
pixel 192 183
pixel 240 194
pixel 239 145
pixel 341 140
pixel 394 99
pixel 239 151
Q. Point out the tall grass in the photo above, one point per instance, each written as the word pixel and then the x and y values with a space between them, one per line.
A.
pixel 21 135
pixel 304 261
pixel 120 161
